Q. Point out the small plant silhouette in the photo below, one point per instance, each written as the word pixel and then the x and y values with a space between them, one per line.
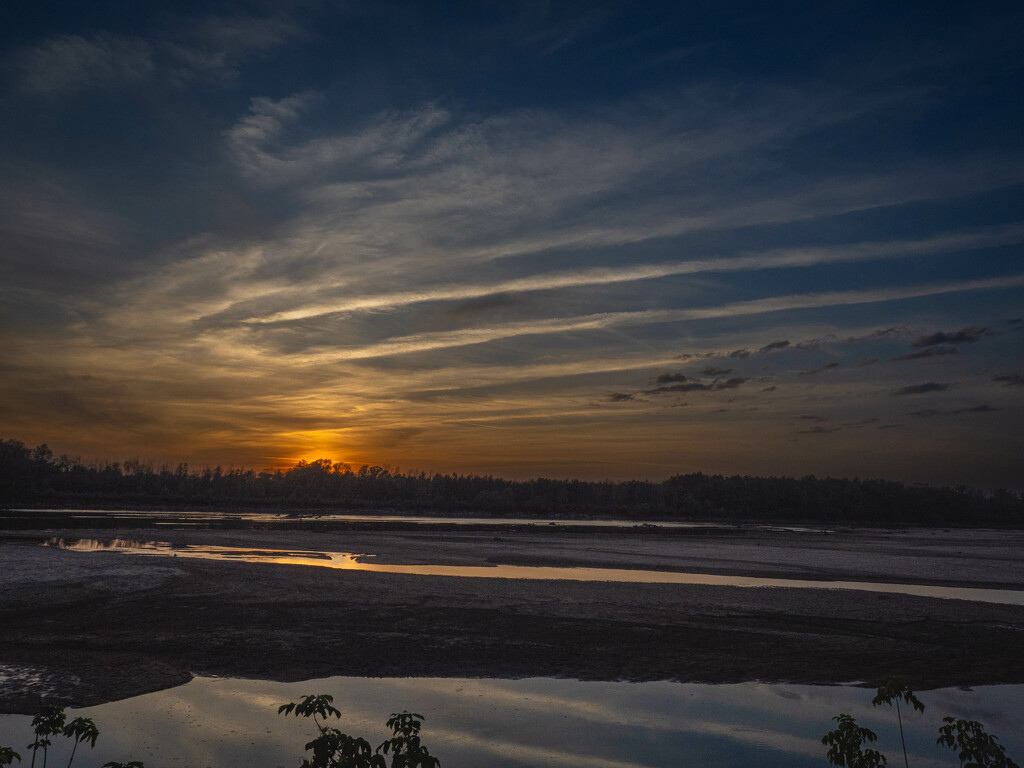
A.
pixel 334 749
pixel 891 689
pixel 404 744
pixel 49 722
pixel 52 721
pixel 846 745
pixel 977 749
pixel 315 706
pixel 81 729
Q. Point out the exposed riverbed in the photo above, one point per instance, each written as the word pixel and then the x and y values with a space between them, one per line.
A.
pixel 97 626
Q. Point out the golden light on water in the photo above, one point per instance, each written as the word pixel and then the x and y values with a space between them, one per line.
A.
pixel 352 561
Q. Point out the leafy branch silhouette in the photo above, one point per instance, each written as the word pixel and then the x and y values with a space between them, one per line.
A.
pixel 977 749
pixel 52 720
pixel 334 749
pixel 891 689
pixel 845 745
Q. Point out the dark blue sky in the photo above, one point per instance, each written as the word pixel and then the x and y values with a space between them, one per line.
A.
pixel 571 239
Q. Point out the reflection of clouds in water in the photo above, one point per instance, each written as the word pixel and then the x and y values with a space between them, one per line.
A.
pixel 531 755
pixel 532 722
pixel 998 707
pixel 204 723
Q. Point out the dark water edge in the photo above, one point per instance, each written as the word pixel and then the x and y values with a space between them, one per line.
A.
pixel 305 519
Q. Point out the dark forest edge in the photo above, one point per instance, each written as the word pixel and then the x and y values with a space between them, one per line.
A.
pixel 34 476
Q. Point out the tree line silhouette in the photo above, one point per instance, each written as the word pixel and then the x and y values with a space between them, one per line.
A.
pixel 34 476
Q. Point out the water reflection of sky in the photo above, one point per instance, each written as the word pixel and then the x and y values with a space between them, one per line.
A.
pixel 357 562
pixel 223 723
pixel 194 517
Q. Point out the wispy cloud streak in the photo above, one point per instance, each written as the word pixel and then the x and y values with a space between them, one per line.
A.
pixel 605 276
pixel 433 341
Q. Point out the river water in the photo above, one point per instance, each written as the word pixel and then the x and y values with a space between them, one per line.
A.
pixel 358 562
pixel 470 723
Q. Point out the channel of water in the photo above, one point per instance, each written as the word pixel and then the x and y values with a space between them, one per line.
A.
pixel 193 517
pixel 359 562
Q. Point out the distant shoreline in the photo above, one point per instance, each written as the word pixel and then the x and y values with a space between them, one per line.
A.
pixel 34 478
pixel 27 515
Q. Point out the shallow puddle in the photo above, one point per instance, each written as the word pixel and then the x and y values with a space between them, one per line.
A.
pixel 223 723
pixel 364 562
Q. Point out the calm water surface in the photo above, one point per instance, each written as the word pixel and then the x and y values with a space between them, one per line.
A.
pixel 224 723
pixel 362 562
pixel 198 518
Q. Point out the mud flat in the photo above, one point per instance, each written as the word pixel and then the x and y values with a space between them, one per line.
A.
pixel 91 627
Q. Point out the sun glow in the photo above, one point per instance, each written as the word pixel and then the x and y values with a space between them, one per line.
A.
pixel 308 446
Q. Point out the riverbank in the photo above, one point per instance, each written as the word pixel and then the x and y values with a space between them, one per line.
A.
pixel 91 627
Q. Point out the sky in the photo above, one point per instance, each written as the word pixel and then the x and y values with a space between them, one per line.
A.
pixel 601 240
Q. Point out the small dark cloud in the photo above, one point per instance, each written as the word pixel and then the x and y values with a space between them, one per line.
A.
pixel 920 389
pixel 684 386
pixel 861 423
pixel 620 397
pixel 825 367
pixel 1018 321
pixel 822 341
pixel 891 426
pixel 810 417
pixel 978 409
pixel 774 345
pixel 867 361
pixel 819 430
pixel 677 382
pixel 731 383
pixel 881 333
pixel 713 371
pixel 1011 380
pixel 928 352
pixel 956 412
pixel 770 389
pixel 669 378
pixel 740 354
pixel 963 336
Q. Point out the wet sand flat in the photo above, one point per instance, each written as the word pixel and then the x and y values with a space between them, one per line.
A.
pixel 91 627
